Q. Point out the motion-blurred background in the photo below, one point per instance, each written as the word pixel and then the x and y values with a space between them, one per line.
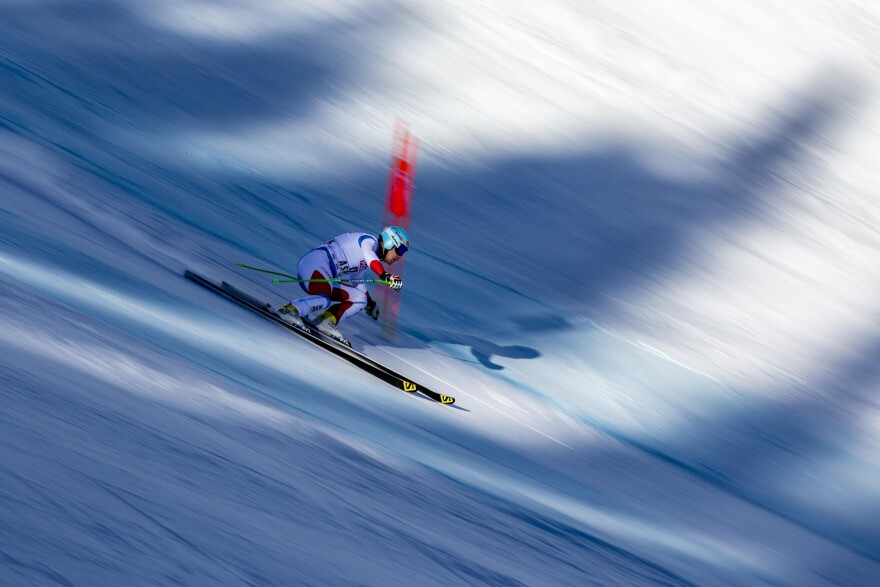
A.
pixel 644 261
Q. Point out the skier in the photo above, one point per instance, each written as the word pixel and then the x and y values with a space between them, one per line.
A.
pixel 347 257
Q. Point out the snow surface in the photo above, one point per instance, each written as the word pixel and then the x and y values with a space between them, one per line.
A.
pixel 645 262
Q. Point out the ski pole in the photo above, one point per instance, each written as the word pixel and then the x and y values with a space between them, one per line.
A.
pixel 293 279
pixel 265 271
pixel 330 281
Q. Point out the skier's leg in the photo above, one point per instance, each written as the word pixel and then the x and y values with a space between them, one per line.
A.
pixel 313 265
pixel 346 302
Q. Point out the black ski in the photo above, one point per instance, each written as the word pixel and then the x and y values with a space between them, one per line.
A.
pixel 349 354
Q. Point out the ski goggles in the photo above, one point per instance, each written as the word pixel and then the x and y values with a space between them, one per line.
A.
pixel 401 249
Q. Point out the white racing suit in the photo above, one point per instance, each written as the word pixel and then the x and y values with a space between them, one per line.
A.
pixel 348 256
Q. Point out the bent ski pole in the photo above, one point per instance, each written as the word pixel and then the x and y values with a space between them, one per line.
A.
pixel 266 271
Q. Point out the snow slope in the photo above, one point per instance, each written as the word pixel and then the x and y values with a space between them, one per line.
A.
pixel 644 261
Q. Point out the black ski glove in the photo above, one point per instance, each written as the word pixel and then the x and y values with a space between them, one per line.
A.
pixel 372 308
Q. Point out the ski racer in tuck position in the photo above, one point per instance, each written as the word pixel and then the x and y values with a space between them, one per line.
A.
pixel 346 257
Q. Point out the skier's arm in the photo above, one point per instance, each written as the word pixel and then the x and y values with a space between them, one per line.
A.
pixel 395 281
pixel 370 256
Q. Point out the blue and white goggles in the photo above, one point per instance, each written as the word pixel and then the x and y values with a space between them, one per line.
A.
pixel 401 249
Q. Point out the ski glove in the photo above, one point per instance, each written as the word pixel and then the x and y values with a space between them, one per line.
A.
pixel 372 309
pixel 395 282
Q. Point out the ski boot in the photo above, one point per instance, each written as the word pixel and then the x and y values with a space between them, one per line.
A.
pixel 326 325
pixel 290 315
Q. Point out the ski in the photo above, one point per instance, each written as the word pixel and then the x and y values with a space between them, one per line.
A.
pixel 313 336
